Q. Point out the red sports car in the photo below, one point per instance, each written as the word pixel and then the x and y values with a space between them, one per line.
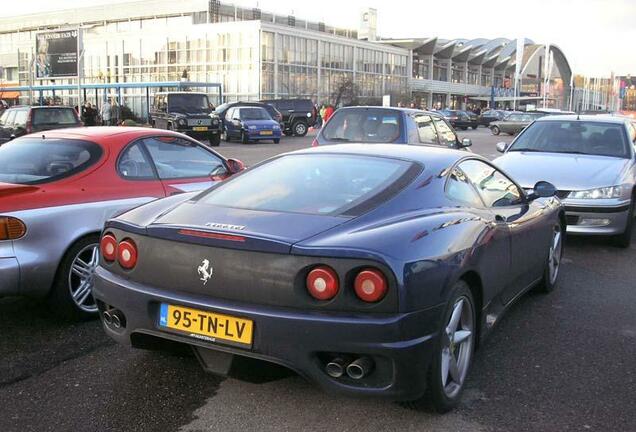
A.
pixel 57 189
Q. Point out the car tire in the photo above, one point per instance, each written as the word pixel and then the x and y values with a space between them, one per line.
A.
pixel 475 127
pixel 288 132
pixel 214 139
pixel 553 263
pixel 495 130
pixel 68 283
pixel 440 394
pixel 300 128
pixel 624 240
pixel 276 140
pixel 244 138
pixel 464 128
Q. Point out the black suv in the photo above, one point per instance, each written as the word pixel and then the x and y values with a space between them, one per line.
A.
pixel 186 112
pixel 298 115
pixel 21 120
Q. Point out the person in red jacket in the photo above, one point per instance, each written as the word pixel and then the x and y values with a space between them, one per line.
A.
pixel 328 112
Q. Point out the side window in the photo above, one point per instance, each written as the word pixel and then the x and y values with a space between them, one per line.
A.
pixel 20 118
pixel 425 129
pixel 10 117
pixel 133 164
pixel 459 188
pixel 177 158
pixel 446 135
pixel 496 189
pixel 230 114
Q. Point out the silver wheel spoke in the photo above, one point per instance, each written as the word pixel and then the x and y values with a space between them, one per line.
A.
pixel 446 360
pixel 460 336
pixel 81 269
pixel 454 370
pixel 454 320
pixel 82 290
pixel 94 257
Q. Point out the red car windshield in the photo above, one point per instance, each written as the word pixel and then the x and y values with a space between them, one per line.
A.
pixel 37 161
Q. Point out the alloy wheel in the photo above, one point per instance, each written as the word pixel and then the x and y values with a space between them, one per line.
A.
pixel 457 347
pixel 554 257
pixel 82 276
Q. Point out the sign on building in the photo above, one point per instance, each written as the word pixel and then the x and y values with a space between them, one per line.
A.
pixel 56 54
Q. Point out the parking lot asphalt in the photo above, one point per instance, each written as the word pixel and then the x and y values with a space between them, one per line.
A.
pixel 561 362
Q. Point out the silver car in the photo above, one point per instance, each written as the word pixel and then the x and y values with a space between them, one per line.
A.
pixel 591 161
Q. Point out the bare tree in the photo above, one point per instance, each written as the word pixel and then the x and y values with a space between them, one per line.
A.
pixel 346 92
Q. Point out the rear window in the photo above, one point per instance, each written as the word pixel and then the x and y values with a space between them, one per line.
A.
pixel 576 137
pixel 54 116
pixel 365 125
pixel 314 184
pixel 255 113
pixel 36 161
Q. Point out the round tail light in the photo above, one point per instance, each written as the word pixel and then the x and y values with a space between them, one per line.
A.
pixel 370 285
pixel 127 254
pixel 322 283
pixel 108 247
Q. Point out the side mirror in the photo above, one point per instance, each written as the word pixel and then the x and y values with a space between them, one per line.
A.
pixel 235 166
pixel 466 142
pixel 236 121
pixel 543 189
pixel 502 147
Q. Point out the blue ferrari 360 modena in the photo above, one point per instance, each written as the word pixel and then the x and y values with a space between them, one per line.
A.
pixel 368 269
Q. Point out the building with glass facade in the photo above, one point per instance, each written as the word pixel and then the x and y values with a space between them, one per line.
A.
pixel 255 55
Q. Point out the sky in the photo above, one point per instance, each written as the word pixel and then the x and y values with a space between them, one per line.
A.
pixel 597 36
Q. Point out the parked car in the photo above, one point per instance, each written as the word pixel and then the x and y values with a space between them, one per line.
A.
pixel 298 114
pixel 222 110
pixel 57 189
pixel 21 120
pixel 389 125
pixel 457 119
pixel 246 123
pixel 190 113
pixel 591 161
pixel 473 119
pixel 514 123
pixel 370 270
pixel 489 116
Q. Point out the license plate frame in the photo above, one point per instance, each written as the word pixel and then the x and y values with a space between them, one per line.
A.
pixel 267 133
pixel 237 331
pixel 200 128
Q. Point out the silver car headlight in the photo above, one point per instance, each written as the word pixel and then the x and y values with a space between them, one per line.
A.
pixel 619 191
pixel 182 122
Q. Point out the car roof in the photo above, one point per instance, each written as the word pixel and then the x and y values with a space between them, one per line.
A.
pixel 429 156
pixel 101 133
pixel 602 118
pixel 405 110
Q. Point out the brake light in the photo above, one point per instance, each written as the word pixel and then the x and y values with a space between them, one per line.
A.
pixel 11 228
pixel 322 283
pixel 108 247
pixel 370 285
pixel 127 254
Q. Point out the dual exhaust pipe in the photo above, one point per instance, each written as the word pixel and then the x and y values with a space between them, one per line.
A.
pixel 113 317
pixel 356 369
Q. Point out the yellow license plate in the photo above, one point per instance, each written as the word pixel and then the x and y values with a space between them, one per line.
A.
pixel 200 128
pixel 209 326
pixel 267 133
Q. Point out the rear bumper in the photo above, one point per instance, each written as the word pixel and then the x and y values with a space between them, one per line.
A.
pixel 401 345
pixel 599 220
pixel 9 276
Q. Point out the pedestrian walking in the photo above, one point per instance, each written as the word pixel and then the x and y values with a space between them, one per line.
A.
pixel 115 113
pixel 89 114
pixel 105 113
